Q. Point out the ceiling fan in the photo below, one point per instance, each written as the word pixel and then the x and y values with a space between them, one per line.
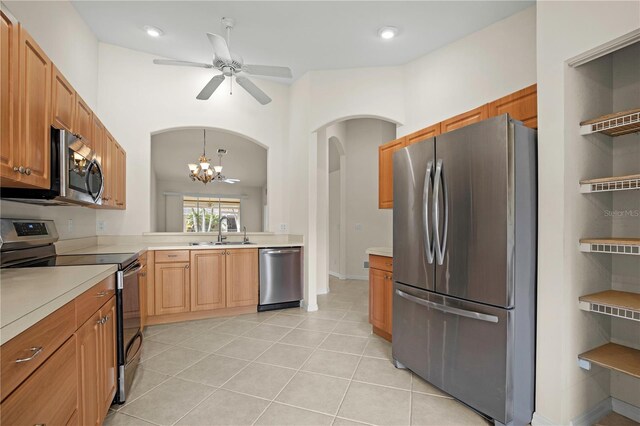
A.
pixel 231 65
pixel 218 176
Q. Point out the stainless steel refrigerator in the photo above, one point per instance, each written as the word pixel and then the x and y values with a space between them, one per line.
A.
pixel 464 265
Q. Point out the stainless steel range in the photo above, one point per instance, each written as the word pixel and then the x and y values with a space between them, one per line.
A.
pixel 28 243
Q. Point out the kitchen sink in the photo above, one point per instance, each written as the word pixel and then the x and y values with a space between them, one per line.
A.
pixel 216 243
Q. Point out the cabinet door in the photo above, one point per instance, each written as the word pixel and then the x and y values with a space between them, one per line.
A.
pixel 108 169
pixel 120 177
pixel 98 141
pixel 469 117
pixel 385 172
pixel 89 362
pixel 142 283
pixel 242 277
pixel 63 102
pixel 49 395
pixel 35 113
pixel 207 279
pixel 109 367
pixel 377 304
pixel 388 303
pixel 9 124
pixel 172 288
pixel 83 121
pixel 521 105
pixel 420 135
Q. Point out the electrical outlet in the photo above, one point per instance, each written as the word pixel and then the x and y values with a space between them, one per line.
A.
pixel 358 227
pixel 101 226
pixel 70 225
pixel 366 264
pixel 284 228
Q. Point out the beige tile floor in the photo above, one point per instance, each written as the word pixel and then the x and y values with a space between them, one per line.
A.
pixel 287 367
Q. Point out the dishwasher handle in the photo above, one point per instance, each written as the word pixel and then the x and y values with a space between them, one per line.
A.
pixel 286 251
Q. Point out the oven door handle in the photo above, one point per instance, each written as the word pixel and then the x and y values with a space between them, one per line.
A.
pixel 96 164
pixel 138 336
pixel 133 270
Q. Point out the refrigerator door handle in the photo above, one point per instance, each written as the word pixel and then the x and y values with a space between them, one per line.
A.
pixel 448 309
pixel 428 244
pixel 440 246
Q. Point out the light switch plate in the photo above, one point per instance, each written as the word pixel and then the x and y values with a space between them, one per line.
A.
pixel 101 226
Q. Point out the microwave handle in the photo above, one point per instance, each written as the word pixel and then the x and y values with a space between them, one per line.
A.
pixel 96 164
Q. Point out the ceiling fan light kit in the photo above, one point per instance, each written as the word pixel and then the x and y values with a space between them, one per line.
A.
pixel 388 32
pixel 230 65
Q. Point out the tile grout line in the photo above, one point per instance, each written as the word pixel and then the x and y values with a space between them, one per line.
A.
pixel 227 381
pixel 289 381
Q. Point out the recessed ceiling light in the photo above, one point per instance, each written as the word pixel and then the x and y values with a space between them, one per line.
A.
pixel 388 32
pixel 153 31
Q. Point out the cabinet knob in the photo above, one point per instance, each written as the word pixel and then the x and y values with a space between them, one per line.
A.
pixel 186 266
pixel 19 169
pixel 102 294
pixel 35 352
pixel 27 171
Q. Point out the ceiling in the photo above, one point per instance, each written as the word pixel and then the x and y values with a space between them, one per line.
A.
pixel 171 152
pixel 304 35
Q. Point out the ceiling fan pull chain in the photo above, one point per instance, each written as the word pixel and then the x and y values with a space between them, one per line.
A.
pixel 231 85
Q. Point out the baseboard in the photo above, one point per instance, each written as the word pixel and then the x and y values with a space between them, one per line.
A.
pixel 337 275
pixel 309 308
pixel 626 409
pixel 326 291
pixel 539 420
pixel 589 418
pixel 357 277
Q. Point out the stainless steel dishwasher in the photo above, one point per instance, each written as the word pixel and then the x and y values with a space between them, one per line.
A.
pixel 280 278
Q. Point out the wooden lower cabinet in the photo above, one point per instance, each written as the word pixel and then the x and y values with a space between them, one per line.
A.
pixel 242 277
pixel 381 296
pixel 172 288
pixel 49 395
pixel 192 284
pixel 97 364
pixel 208 279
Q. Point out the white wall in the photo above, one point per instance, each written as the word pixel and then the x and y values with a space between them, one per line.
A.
pixel 334 223
pixel 366 225
pixel 137 98
pixel 564 30
pixel 250 203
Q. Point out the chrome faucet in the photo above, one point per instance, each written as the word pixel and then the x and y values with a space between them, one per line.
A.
pixel 245 239
pixel 220 237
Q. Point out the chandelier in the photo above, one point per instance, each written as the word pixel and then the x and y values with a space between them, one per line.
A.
pixel 202 170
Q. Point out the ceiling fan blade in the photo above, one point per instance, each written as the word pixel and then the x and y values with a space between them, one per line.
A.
pixel 231 180
pixel 268 70
pixel 181 63
pixel 253 90
pixel 220 48
pixel 211 87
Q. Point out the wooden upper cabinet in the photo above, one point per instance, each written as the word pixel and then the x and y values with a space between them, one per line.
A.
pixel 63 102
pixel 108 169
pixel 120 177
pixel 35 113
pixel 172 288
pixel 385 172
pixel 99 137
pixel 83 121
pixel 469 117
pixel 521 105
pixel 241 277
pixel 420 135
pixel 9 89
pixel 207 279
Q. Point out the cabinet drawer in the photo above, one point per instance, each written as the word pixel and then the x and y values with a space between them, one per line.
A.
pixel 172 256
pixel 381 262
pixel 91 300
pixel 39 341
pixel 49 396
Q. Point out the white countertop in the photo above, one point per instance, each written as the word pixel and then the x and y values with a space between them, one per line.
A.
pixel 27 295
pixel 380 251
pixel 141 247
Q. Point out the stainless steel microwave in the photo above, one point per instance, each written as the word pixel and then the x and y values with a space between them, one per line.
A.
pixel 76 175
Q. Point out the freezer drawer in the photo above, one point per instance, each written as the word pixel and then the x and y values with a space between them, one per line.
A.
pixel 463 348
pixel 280 277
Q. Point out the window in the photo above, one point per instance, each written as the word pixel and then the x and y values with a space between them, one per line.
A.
pixel 201 214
